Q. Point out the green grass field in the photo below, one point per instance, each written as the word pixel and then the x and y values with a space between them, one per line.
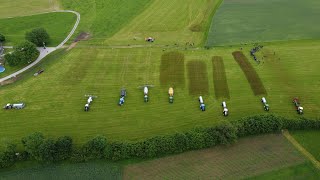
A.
pixel 246 21
pixel 116 56
pixel 309 140
pixel 301 171
pixel 103 72
pixel 58 26
pixel 11 8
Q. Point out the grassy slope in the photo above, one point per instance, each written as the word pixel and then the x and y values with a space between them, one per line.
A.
pixel 169 21
pixel 11 8
pixel 59 111
pixel 302 171
pixel 251 21
pixel 58 26
pixel 102 19
pixel 309 140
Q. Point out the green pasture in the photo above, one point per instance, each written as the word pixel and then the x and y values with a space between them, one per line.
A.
pixel 104 18
pixel 301 171
pixel 58 26
pixel 244 21
pixel 9 8
pixel 309 140
pixel 55 99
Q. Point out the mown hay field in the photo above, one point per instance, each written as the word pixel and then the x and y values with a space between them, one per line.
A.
pixel 220 82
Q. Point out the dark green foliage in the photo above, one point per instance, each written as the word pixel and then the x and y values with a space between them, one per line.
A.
pixel 95 148
pixel 116 151
pixel 12 59
pixel 32 144
pixel 64 147
pixel 2 38
pixel 8 157
pixel 48 151
pixel 258 125
pixel 24 53
pixel 38 36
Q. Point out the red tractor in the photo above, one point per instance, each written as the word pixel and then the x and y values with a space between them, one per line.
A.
pixel 297 105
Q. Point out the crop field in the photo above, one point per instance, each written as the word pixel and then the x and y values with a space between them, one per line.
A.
pixel 252 76
pixel 11 8
pixel 309 139
pixel 221 88
pixel 264 21
pixel 248 157
pixel 172 71
pixel 198 78
pixel 58 26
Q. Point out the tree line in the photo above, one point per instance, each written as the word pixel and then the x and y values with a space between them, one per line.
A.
pixel 46 150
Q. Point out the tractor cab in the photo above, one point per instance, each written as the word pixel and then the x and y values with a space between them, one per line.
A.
pixel 171 99
pixel 86 107
pixel 146 99
pixel 266 107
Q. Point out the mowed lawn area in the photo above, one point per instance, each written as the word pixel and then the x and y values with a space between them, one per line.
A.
pixel 58 26
pixel 11 8
pixel 246 21
pixel 55 100
pixel 309 140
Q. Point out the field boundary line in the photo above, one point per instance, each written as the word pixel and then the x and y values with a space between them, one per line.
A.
pixel 301 149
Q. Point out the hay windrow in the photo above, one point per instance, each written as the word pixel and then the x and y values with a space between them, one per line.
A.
pixel 221 88
pixel 250 73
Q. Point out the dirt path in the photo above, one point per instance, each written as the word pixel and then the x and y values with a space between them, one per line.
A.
pixel 301 149
pixel 47 51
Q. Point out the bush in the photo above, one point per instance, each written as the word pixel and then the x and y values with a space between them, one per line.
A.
pixel 8 157
pixel 64 148
pixel 38 36
pixel 32 145
pixel 24 53
pixel 2 38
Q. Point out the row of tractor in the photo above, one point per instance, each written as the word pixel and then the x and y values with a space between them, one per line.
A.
pixel 225 111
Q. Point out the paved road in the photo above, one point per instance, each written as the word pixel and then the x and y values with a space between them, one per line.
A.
pixel 48 50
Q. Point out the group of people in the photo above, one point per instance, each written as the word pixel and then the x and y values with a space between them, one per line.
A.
pixel 254 50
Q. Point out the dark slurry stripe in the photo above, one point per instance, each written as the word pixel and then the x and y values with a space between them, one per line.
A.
pixel 198 78
pixel 221 88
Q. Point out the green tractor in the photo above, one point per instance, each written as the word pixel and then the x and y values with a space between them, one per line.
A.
pixel 170 92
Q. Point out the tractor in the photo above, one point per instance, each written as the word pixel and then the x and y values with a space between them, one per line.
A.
pixel 14 106
pixel 202 105
pixel 146 92
pixel 89 101
pixel 123 94
pixel 265 104
pixel 299 108
pixel 225 111
pixel 170 92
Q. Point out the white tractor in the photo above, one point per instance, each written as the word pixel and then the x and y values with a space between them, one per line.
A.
pixel 225 111
pixel 265 104
pixel 202 105
pixel 89 101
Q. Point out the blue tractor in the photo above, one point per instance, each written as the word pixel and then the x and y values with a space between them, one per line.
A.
pixel 123 94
